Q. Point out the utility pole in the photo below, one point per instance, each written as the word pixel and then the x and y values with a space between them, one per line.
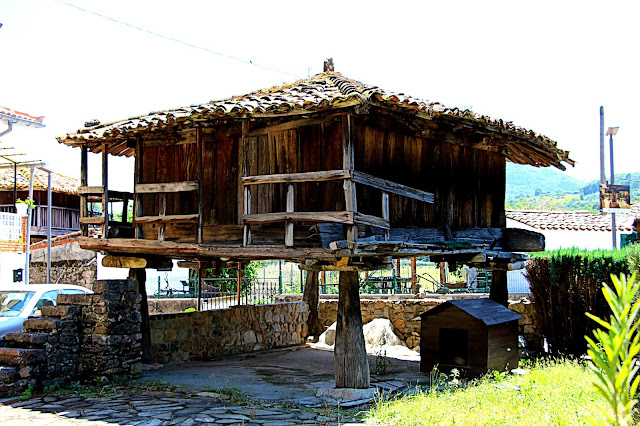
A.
pixel 602 178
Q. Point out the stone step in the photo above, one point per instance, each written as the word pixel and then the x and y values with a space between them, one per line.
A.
pixel 21 357
pixel 41 324
pixel 61 311
pixel 25 340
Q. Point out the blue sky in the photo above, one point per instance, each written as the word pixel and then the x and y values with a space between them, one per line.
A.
pixel 546 66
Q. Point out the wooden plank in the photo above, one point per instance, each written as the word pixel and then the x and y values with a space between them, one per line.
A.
pixel 515 239
pixel 138 176
pixel 365 219
pixel 96 220
pixel 293 124
pixel 90 190
pixel 84 205
pixel 176 218
pixel 105 194
pixel 392 187
pixel 200 171
pixel 208 252
pixel 246 240
pixel 297 177
pixel 124 262
pixel 162 213
pixel 153 188
pixel 242 167
pixel 288 232
pixel 333 217
pixel 385 213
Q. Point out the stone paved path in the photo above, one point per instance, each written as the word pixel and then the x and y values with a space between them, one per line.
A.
pixel 154 408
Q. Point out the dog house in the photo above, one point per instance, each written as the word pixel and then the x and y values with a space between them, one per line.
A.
pixel 474 335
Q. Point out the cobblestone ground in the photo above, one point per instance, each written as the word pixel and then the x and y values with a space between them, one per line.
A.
pixel 151 408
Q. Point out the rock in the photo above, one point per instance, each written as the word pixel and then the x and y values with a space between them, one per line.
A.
pixel 329 336
pixel 380 332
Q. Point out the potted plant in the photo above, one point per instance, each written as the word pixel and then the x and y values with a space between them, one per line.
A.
pixel 23 205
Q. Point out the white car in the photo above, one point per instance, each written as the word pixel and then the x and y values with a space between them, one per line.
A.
pixel 19 302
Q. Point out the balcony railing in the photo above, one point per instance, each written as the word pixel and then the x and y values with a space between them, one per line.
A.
pixel 63 219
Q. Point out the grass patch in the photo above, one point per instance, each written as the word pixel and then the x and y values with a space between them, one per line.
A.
pixel 553 393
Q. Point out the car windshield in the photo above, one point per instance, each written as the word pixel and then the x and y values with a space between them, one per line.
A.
pixel 13 302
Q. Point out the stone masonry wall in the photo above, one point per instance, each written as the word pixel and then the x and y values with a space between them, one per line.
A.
pixel 85 336
pixel 76 272
pixel 404 315
pixel 182 337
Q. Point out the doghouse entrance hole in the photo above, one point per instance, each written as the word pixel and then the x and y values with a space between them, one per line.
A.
pixel 454 346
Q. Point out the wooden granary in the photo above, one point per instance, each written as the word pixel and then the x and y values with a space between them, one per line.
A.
pixel 328 172
pixel 472 335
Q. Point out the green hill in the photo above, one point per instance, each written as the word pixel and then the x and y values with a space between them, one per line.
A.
pixel 532 181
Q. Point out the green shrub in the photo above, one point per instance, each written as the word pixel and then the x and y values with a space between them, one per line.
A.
pixel 614 349
pixel 564 285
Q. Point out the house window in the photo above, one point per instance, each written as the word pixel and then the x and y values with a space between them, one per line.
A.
pixel 454 346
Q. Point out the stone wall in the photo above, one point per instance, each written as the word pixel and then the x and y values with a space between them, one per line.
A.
pixel 171 306
pixel 403 312
pixel 85 336
pixel 76 272
pixel 182 337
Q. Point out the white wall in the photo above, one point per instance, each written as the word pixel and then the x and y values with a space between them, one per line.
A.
pixel 174 276
pixel 556 239
pixel 9 262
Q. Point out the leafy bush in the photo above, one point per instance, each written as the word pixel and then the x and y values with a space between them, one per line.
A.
pixel 564 285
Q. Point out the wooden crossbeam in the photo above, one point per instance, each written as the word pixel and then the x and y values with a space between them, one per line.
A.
pixel 326 175
pixel 334 217
pixel 152 188
pixel 96 220
pixel 392 187
pixel 175 218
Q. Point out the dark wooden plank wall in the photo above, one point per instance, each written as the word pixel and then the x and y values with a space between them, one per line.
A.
pixel 59 199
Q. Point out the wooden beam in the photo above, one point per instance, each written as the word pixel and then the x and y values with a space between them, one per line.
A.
pixel 197 264
pixel 137 206
pixel 162 212
pixel 348 163
pixel 203 252
pixel 414 280
pixel 200 200
pixel 291 124
pixel 288 230
pixel 365 219
pixel 84 205
pixel 311 295
pixel 392 187
pixel 246 238
pixel 385 213
pixel 175 218
pixel 152 188
pixel 334 217
pixel 326 175
pixel 96 220
pixel 515 239
pixel 90 190
pixel 105 194
pixel 242 168
pixel 124 262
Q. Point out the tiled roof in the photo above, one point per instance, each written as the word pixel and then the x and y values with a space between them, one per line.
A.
pixel 59 182
pixel 575 220
pixel 8 113
pixel 329 90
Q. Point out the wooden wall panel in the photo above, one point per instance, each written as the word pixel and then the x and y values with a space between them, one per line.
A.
pixel 149 203
pixel 226 178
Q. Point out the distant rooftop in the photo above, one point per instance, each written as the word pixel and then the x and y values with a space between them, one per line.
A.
pixel 59 182
pixel 577 220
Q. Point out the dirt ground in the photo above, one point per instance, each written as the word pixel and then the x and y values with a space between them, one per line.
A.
pixel 294 374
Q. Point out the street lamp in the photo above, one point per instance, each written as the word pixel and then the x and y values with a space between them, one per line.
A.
pixel 611 131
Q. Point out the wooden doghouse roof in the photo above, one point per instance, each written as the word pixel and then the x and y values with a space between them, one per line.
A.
pixel 486 310
pixel 323 93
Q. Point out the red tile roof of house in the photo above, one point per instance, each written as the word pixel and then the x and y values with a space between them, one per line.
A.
pixel 322 92
pixel 23 116
pixel 574 220
pixel 59 182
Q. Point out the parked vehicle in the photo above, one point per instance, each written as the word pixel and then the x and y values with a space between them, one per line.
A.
pixel 19 302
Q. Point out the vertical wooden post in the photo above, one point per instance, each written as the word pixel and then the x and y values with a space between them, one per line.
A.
pixel 84 164
pixel 140 275
pixel 414 280
pixel 499 291
pixel 200 155
pixel 162 211
pixel 311 295
pixel 288 231
pixel 239 282
pixel 398 267
pixel 443 273
pixel 348 164
pixel 105 194
pixel 350 355
pixel 385 212
pixel 125 208
pixel 199 289
pixel 242 167
pixel 137 207
pixel 246 239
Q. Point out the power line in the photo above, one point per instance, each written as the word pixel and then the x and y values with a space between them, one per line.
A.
pixel 144 30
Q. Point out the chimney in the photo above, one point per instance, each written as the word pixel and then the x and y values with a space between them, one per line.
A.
pixel 328 65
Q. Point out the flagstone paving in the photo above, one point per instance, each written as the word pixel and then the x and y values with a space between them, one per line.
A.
pixel 156 408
